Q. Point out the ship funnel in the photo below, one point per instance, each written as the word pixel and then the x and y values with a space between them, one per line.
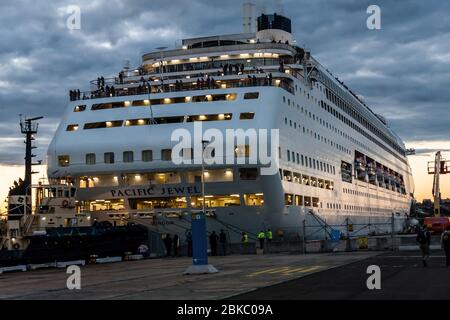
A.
pixel 248 17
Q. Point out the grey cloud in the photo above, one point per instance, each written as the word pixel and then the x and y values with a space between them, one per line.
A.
pixel 403 70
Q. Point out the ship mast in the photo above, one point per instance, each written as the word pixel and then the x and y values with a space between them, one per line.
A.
pixel 29 127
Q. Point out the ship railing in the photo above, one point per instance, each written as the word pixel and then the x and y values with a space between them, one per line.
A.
pixel 281 82
pixel 198 73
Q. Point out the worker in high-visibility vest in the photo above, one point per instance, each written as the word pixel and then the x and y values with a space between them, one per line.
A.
pixel 261 237
pixel 244 238
pixel 269 235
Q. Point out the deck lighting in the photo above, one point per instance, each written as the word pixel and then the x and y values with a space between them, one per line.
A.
pixel 184 47
pixel 108 124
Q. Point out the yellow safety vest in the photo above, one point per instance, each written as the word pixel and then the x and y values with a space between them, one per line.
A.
pixel 245 238
pixel 261 235
pixel 269 235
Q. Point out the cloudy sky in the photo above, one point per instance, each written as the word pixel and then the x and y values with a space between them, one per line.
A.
pixel 402 70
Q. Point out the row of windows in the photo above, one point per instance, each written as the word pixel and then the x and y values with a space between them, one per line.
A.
pixel 317 136
pixel 296 177
pixel 324 124
pixel 349 104
pixel 346 108
pixel 153 102
pixel 211 201
pixel 160 120
pixel 309 162
pixel 147 155
pixel 299 200
pixel 159 178
pixel 357 128
pixel 364 194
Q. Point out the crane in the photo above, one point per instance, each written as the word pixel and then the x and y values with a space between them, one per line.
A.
pixel 437 167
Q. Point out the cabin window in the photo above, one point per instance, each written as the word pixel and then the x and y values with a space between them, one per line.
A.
pixel 247 116
pixel 248 173
pixel 212 201
pixel 109 157
pixel 166 154
pixel 298 200
pixel 90 158
pixel 254 199
pixel 79 108
pixel 72 127
pixel 63 161
pixel 307 201
pixel 128 156
pixel 288 199
pixel 147 155
pixel 251 95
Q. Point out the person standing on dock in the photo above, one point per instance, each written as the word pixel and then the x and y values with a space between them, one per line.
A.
pixel 424 240
pixel 223 243
pixel 244 238
pixel 176 244
pixel 269 235
pixel 168 243
pixel 261 238
pixel 445 244
pixel 189 243
pixel 213 243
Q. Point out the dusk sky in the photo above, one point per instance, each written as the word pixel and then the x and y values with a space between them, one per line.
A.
pixel 402 70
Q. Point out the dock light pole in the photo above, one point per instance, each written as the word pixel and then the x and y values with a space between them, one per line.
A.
pixel 199 235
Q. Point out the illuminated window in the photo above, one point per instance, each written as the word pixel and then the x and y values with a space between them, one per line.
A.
pixel 104 124
pixel 109 157
pixel 212 201
pixel 288 199
pixel 79 108
pixel 158 203
pixel 242 151
pixel 315 202
pixel 128 156
pixel 298 200
pixel 90 158
pixel 147 155
pixel 64 160
pixel 216 175
pixel 72 127
pixel 254 199
pixel 307 201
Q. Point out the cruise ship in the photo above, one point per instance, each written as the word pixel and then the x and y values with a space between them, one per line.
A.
pixel 336 161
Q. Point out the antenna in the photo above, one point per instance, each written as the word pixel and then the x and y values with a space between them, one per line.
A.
pixel 248 10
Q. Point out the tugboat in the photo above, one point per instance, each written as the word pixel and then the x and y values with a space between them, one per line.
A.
pixel 49 229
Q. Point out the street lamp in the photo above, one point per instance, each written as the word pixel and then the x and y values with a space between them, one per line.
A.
pixel 200 246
